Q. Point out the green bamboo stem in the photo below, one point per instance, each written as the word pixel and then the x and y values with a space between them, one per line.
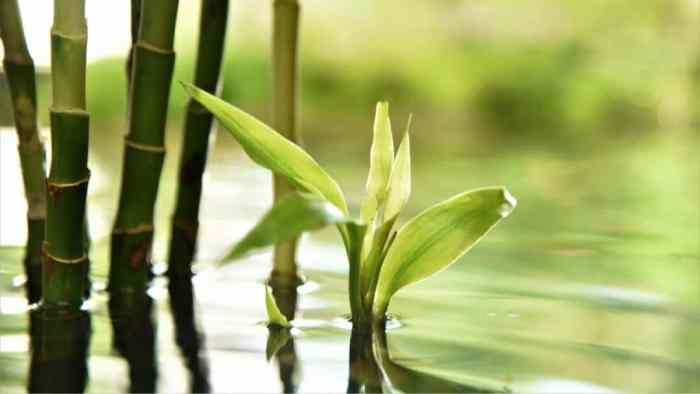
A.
pixel 60 329
pixel 284 52
pixel 144 152
pixel 135 21
pixel 183 241
pixel 195 144
pixel 19 68
pixel 65 260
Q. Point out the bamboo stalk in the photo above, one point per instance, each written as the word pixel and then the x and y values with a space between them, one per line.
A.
pixel 144 152
pixel 135 21
pixel 198 122
pixel 60 329
pixel 19 68
pixel 284 52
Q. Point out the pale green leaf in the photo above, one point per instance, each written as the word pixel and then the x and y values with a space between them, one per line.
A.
pixel 270 149
pixel 274 316
pixel 437 237
pixel 399 187
pixel 381 157
pixel 294 214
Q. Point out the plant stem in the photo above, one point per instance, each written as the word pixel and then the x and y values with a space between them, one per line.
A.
pixel 183 241
pixel 284 52
pixel 65 260
pixel 144 152
pixel 19 68
pixel 60 329
pixel 135 22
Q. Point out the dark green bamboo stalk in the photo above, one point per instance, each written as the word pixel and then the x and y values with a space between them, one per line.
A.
pixel 19 68
pixel 135 22
pixel 284 52
pixel 144 151
pixel 60 330
pixel 143 154
pixel 198 121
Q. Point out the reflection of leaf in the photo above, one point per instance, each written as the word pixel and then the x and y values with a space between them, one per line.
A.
pixel 270 149
pixel 437 237
pixel 274 316
pixel 410 380
pixel 292 215
pixel 277 338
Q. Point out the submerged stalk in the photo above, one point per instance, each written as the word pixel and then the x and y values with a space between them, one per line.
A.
pixel 19 68
pixel 60 329
pixel 144 152
pixel 183 241
pixel 285 94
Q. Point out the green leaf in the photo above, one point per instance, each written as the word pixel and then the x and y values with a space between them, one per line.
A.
pixel 294 214
pixel 437 237
pixel 274 316
pixel 399 187
pixel 270 149
pixel 381 157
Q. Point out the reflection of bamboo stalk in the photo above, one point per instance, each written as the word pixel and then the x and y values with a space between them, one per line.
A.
pixel 212 31
pixel 284 42
pixel 19 69
pixel 60 330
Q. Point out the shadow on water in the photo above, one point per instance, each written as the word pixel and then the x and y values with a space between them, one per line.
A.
pixel 60 339
pixel 372 370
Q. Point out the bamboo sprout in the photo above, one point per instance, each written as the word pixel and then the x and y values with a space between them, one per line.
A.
pixel 60 330
pixel 284 52
pixel 198 121
pixel 19 68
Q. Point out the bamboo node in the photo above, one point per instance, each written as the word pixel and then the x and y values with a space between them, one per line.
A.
pixel 150 47
pixel 81 36
pixel 144 147
pixel 62 185
pixel 77 260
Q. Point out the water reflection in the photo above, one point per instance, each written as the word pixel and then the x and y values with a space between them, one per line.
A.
pixel 60 339
pixel 187 336
pixel 372 370
pixel 280 342
pixel 134 338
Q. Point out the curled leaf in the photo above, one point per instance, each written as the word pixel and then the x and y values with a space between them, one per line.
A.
pixel 381 158
pixel 399 187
